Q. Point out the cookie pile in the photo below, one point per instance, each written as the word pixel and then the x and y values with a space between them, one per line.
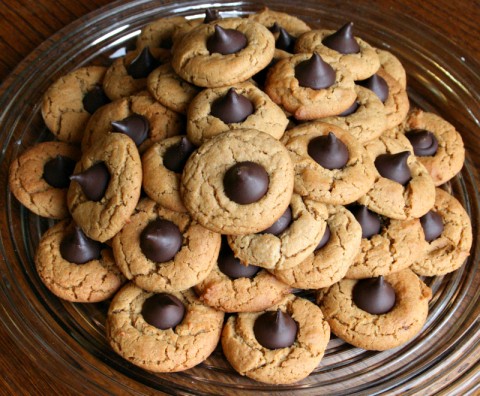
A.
pixel 227 163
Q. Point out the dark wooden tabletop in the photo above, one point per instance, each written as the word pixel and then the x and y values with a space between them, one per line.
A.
pixel 24 24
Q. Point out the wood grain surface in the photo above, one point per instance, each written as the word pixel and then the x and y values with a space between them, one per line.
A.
pixel 24 24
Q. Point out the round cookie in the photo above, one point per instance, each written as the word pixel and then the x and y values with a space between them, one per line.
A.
pixel 100 219
pixel 170 89
pixel 63 108
pixel 173 349
pixel 161 32
pixel 306 103
pixel 396 247
pixel 167 192
pixel 203 190
pixel 377 332
pixel 334 186
pixel 94 281
pixel 290 247
pixel 450 154
pixel 119 83
pixel 295 26
pixel 277 366
pixel 191 263
pixel 162 122
pixel 194 63
pixel 392 66
pixel 266 116
pixel 329 264
pixel 450 250
pixel 361 65
pixel 248 289
pixel 368 121
pixel 27 182
pixel 390 198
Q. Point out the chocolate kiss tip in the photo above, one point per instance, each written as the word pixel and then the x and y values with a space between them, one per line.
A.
pixel 142 65
pixel 211 15
pixel 285 41
pixel 394 167
pixel 315 73
pixel 226 41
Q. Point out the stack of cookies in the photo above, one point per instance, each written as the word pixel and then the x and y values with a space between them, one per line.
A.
pixel 228 164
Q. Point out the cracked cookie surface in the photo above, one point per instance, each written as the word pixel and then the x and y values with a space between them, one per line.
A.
pixel 266 117
pixel 377 332
pixel 203 190
pixel 94 281
pixel 62 106
pixel 278 366
pixel 101 220
pixel 28 185
pixel 290 247
pixel 194 63
pixel 328 265
pixel 191 264
pixel 449 251
pixel 175 349
pixel 336 186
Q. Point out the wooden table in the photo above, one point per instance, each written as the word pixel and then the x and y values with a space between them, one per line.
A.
pixel 24 24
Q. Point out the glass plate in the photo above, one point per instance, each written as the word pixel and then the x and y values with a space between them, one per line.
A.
pixel 68 340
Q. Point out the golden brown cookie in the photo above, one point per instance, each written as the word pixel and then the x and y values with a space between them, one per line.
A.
pixel 328 264
pixel 447 252
pixel 397 103
pixel 227 157
pixel 283 365
pixel 63 108
pixel 95 280
pixel 196 64
pixel 390 198
pixel 28 183
pixel 160 33
pixel 392 65
pixel 335 186
pixel 267 17
pixel 289 247
pixel 105 215
pixel 449 157
pixel 161 121
pixel 170 89
pixel 361 65
pixel 367 122
pixel 306 103
pixel 177 348
pixel 265 115
pixel 377 332
pixel 190 262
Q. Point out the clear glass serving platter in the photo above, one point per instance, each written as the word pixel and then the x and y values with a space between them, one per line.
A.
pixel 68 340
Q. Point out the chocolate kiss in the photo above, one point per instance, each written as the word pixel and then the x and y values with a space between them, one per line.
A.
pixel 315 73
pixel 352 109
pixel 325 238
pixel 328 151
pixel 77 248
pixel 432 225
pixel 285 41
pixel 369 221
pixel 246 182
pixel 281 224
pixel 58 170
pixel 342 40
pixel 226 41
pixel 94 99
pixel 142 65
pixel 232 267
pixel 93 181
pixel 375 295
pixel 176 156
pixel 275 329
pixel 424 143
pixel 211 15
pixel 232 107
pixel 376 84
pixel 394 167
pixel 163 311
pixel 160 240
pixel 275 28
pixel 135 126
